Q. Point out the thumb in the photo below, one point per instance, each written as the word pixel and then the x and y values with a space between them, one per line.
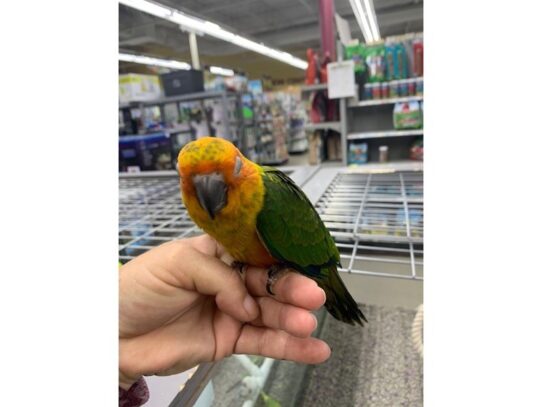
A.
pixel 210 276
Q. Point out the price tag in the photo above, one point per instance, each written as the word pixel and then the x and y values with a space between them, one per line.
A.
pixel 340 78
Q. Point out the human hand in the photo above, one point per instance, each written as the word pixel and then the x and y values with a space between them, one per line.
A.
pixel 180 305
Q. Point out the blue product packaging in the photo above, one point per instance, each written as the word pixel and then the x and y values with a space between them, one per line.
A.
pixel 357 153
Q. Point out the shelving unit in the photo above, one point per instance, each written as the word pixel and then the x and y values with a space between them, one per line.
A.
pixel 312 88
pixel 384 134
pixel 324 126
pixel 223 96
pixel 339 126
pixel 232 123
pixel 377 102
pixel 372 122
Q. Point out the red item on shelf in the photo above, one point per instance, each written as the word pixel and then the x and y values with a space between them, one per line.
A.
pixel 323 69
pixel 417 47
pixel 385 90
pixel 311 72
pixel 411 88
pixel 377 94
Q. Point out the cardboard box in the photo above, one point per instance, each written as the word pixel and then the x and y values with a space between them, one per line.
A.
pixel 139 88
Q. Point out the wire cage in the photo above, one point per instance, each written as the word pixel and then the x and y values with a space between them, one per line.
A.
pixel 375 219
pixel 151 212
pixel 377 222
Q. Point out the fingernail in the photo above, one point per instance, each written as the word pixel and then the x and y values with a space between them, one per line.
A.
pixel 315 321
pixel 323 294
pixel 250 306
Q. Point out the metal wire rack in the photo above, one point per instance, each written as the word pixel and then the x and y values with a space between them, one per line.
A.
pixel 375 219
pixel 377 222
pixel 151 212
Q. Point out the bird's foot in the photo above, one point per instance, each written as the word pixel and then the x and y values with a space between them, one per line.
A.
pixel 273 274
pixel 239 266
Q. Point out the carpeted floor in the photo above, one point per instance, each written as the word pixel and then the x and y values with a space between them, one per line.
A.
pixel 375 366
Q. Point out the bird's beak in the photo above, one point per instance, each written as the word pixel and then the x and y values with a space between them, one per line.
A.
pixel 211 191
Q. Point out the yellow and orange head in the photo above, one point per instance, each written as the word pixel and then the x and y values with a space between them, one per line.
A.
pixel 212 171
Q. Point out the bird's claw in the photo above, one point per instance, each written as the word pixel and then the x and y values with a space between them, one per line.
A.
pixel 273 274
pixel 239 266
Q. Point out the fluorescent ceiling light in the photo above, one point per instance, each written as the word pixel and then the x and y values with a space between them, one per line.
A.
pixel 212 29
pixel 221 71
pixel 366 19
pixel 362 20
pixel 142 59
pixel 370 11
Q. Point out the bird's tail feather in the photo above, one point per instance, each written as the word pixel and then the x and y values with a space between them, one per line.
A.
pixel 339 302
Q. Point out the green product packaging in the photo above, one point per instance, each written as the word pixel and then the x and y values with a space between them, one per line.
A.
pixel 356 52
pixel 376 62
pixel 407 116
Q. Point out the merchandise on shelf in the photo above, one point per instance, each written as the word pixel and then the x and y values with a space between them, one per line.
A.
pixel 182 82
pixel 416 151
pixel 235 83
pixel 376 62
pixel 314 148
pixel 279 118
pixel 313 70
pixel 417 45
pixel 393 89
pixel 138 88
pixel 356 52
pixel 357 153
pixel 145 152
pixel 393 61
pixel 255 87
pixel 383 154
pixel 323 68
pixel 333 143
pixel 407 115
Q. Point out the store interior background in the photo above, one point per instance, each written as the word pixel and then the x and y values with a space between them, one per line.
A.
pixel 359 158
pixel 278 110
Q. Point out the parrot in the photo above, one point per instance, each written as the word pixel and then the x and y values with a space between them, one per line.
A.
pixel 262 218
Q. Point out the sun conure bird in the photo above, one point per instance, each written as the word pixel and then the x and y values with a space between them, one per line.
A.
pixel 262 218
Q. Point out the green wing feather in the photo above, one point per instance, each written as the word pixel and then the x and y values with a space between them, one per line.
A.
pixel 292 231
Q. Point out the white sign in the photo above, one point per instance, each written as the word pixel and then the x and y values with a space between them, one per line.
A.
pixel 343 29
pixel 340 80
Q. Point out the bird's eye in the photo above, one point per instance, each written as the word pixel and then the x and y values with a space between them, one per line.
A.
pixel 238 165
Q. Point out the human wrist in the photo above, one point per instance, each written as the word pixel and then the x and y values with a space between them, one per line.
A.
pixel 127 375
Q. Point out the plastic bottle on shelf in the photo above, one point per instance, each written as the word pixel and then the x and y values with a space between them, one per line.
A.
pixel 385 90
pixel 394 89
pixel 403 87
pixel 367 91
pixel 377 94
pixel 383 154
pixel 411 87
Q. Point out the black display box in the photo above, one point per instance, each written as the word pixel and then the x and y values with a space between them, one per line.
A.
pixel 182 82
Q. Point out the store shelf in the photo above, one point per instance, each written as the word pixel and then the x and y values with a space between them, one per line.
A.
pixel 384 134
pixel 391 166
pixel 323 126
pixel 312 88
pixel 182 98
pixel 378 102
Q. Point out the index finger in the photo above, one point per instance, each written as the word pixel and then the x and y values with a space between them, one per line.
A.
pixel 291 288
